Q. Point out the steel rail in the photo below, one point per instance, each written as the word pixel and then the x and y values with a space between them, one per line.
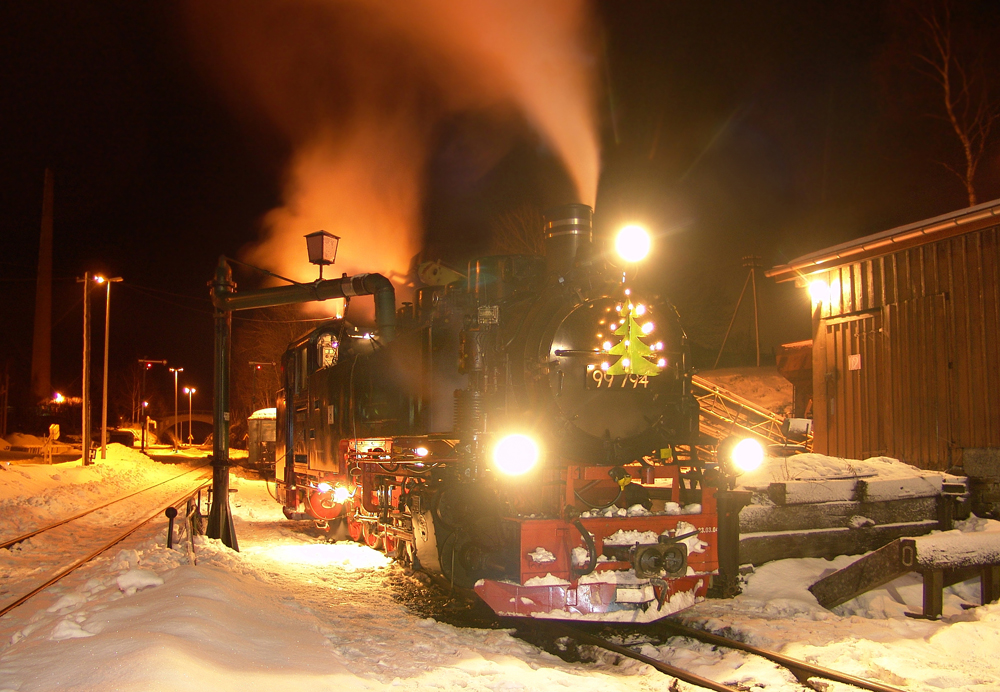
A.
pixel 81 561
pixel 20 539
pixel 678 673
pixel 801 669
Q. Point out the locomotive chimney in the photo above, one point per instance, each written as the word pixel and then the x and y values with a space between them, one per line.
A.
pixel 568 234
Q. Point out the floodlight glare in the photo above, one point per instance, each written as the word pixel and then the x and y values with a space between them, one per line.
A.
pixel 516 454
pixel 632 243
pixel 819 292
pixel 748 455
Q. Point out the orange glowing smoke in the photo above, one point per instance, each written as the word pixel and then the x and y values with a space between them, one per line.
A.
pixel 357 88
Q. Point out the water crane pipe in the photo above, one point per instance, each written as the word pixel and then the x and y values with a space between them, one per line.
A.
pixel 225 300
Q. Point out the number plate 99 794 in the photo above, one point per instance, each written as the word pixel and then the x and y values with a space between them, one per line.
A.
pixel 599 379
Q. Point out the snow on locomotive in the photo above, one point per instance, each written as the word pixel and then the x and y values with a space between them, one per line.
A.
pixel 529 432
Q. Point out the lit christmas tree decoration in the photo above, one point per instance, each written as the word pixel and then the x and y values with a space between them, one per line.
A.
pixel 632 349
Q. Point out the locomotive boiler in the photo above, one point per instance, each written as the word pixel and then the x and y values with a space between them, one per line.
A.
pixel 527 431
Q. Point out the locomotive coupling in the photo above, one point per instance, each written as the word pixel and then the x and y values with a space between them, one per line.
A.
pixel 668 557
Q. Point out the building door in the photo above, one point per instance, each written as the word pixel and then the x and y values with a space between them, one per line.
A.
pixel 918 352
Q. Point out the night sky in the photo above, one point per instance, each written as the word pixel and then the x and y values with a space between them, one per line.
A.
pixel 730 128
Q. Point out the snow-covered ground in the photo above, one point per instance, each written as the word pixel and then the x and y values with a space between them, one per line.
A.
pixel 293 612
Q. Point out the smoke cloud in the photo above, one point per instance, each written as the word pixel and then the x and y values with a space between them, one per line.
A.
pixel 356 87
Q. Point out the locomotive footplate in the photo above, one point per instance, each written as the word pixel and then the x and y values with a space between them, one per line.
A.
pixel 647 567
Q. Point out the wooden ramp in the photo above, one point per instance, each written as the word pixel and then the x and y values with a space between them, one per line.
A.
pixel 941 559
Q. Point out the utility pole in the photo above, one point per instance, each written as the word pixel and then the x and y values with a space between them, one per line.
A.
pixel 753 262
pixel 176 372
pixel 85 413
pixel 104 394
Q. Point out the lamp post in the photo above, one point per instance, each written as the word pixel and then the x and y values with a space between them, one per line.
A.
pixel 147 364
pixel 322 249
pixel 85 407
pixel 190 392
pixel 104 396
pixel 175 371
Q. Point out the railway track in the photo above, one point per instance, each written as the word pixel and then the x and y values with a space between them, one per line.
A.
pixel 48 527
pixel 93 551
pixel 802 670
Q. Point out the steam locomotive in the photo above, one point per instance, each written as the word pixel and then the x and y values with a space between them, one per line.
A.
pixel 528 431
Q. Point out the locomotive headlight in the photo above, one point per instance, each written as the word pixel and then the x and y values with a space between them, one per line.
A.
pixel 421 451
pixel 515 454
pixel 748 455
pixel 341 494
pixel 324 487
pixel 632 243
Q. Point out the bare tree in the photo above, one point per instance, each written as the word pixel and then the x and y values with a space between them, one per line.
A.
pixel 518 231
pixel 969 109
pixel 260 338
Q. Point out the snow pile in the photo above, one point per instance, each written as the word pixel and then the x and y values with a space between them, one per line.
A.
pixel 623 537
pixel 24 440
pixel 540 555
pixel 548 580
pixel 818 467
pixel 972 543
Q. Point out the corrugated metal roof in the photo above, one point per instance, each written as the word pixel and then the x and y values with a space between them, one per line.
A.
pixel 888 241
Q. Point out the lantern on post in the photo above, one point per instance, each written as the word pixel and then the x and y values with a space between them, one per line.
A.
pixel 322 248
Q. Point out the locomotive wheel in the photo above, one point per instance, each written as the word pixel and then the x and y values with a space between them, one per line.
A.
pixel 485 549
pixel 404 552
pixel 355 529
pixel 389 544
pixel 372 537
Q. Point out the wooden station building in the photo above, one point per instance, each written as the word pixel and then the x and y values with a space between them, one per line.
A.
pixel 906 341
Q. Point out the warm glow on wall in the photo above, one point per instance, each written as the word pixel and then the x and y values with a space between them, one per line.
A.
pixel 819 291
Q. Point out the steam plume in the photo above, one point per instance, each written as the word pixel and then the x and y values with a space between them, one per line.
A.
pixel 357 87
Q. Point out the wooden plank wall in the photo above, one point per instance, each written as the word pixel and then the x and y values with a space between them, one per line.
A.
pixel 926 324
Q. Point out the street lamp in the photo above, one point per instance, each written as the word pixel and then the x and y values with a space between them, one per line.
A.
pixel 146 365
pixel 104 396
pixel 322 249
pixel 175 371
pixel 190 392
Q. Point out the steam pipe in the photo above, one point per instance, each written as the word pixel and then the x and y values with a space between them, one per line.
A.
pixel 568 236
pixel 345 287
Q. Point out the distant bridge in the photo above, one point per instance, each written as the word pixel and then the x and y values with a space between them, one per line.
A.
pixel 169 422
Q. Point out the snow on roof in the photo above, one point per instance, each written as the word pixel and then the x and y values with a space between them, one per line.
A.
pixel 264 413
pixel 886 241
